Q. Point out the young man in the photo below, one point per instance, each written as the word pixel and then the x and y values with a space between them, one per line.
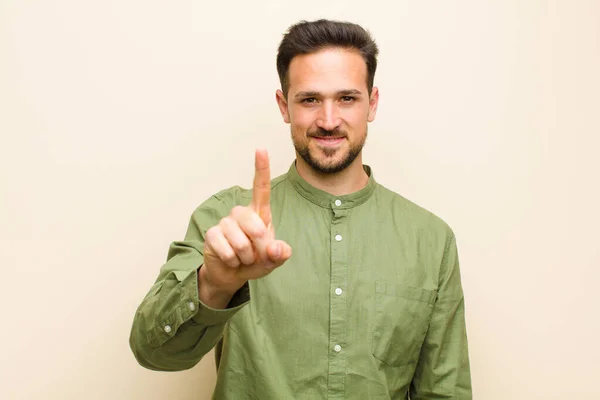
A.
pixel 370 304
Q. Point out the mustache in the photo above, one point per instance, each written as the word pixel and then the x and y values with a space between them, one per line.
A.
pixel 320 132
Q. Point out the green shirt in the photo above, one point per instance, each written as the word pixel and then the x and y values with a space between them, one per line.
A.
pixel 369 306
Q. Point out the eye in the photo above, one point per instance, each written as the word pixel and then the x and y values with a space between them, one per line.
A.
pixel 348 99
pixel 309 100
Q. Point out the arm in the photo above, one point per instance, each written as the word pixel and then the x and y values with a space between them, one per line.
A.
pixel 184 315
pixel 443 370
pixel 172 329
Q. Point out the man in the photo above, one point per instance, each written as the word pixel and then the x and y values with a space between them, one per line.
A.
pixel 370 304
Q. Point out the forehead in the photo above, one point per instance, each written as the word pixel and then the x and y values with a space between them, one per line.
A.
pixel 328 70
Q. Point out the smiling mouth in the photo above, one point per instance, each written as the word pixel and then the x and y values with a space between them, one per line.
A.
pixel 328 141
pixel 328 137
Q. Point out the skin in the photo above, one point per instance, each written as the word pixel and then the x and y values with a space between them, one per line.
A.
pixel 243 245
pixel 328 95
pixel 327 98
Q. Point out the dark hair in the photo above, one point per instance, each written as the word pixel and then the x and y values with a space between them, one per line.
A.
pixel 309 37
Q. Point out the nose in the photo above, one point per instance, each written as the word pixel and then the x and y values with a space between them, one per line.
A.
pixel 328 118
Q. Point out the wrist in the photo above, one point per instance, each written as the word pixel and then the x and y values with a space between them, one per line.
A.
pixel 212 295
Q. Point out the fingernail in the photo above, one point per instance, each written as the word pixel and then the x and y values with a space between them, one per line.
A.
pixel 278 251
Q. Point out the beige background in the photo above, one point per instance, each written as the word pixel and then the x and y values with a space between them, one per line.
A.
pixel 118 118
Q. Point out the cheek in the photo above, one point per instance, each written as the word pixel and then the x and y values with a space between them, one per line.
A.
pixel 356 118
pixel 301 120
pixel 356 114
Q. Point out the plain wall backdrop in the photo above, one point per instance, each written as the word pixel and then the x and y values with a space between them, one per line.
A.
pixel 118 118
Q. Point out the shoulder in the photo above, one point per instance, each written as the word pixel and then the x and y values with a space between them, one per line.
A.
pixel 412 214
pixel 238 195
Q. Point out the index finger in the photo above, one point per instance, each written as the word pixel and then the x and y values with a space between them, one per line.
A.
pixel 261 190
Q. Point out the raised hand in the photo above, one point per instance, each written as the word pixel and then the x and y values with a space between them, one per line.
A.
pixel 243 245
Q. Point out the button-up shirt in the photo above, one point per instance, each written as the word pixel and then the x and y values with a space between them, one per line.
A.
pixel 369 306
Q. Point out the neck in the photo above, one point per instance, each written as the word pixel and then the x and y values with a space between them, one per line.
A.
pixel 350 180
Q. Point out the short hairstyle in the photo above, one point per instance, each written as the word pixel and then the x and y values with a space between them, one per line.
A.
pixel 309 37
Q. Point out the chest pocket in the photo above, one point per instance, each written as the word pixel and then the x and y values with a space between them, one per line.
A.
pixel 401 318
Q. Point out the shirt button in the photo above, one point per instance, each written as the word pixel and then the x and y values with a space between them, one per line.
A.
pixel 338 291
pixel 168 328
pixel 191 305
pixel 338 238
pixel 338 202
pixel 337 348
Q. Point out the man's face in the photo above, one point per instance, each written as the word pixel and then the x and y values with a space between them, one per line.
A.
pixel 328 107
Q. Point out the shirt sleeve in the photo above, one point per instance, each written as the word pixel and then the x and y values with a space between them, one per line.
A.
pixel 443 370
pixel 172 329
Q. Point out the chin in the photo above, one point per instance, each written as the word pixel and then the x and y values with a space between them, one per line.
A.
pixel 327 161
pixel 329 165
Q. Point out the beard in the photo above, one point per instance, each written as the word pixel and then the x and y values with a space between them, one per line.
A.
pixel 321 164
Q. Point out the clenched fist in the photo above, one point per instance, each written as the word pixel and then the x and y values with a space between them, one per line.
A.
pixel 243 245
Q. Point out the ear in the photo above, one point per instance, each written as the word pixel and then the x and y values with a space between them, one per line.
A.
pixel 373 102
pixel 283 106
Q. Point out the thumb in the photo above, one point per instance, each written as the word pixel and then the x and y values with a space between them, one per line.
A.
pixel 279 251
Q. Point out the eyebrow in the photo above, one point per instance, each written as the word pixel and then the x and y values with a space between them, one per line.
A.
pixel 345 92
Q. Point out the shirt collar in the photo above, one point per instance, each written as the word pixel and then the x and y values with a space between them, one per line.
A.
pixel 327 200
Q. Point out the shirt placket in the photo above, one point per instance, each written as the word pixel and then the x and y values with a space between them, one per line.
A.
pixel 338 345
